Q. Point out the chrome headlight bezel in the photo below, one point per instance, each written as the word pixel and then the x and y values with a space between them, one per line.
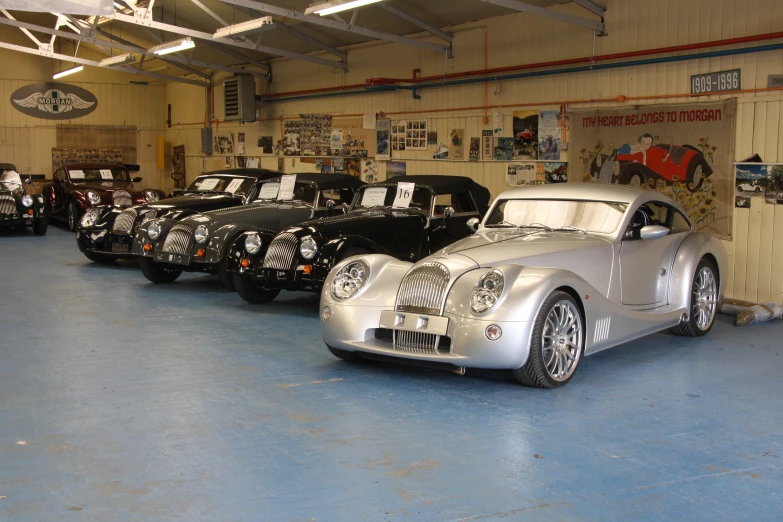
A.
pixel 350 279
pixel 154 230
pixel 253 244
pixel 487 292
pixel 93 197
pixel 201 234
pixel 150 196
pixel 27 201
pixel 308 248
pixel 90 218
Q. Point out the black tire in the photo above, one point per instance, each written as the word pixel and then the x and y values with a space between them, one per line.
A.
pixel 345 355
pixel 156 273
pixel 249 292
pixel 639 177
pixel 40 226
pixel 100 258
pixel 74 215
pixel 691 327
pixel 226 277
pixel 534 372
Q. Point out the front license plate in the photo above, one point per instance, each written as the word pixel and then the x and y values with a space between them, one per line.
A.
pixel 177 259
pixel 282 276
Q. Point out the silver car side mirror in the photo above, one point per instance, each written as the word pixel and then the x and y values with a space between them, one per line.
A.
pixel 448 212
pixel 653 232
pixel 330 204
pixel 345 208
pixel 473 224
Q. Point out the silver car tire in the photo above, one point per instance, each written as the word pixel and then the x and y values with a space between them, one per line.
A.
pixel 345 355
pixel 703 302
pixel 556 344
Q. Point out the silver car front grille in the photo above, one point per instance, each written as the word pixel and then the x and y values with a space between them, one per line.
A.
pixel 282 251
pixel 423 289
pixel 178 238
pixel 7 204
pixel 124 222
pixel 415 342
pixel 122 198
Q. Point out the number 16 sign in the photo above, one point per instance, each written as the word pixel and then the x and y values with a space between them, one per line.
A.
pixel 404 194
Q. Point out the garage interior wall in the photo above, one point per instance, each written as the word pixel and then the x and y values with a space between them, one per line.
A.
pixel 27 142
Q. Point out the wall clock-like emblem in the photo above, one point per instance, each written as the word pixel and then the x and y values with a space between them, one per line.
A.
pixel 54 101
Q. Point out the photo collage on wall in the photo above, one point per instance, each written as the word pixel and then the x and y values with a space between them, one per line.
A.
pixel 758 179
pixel 536 173
pixel 61 156
pixel 409 135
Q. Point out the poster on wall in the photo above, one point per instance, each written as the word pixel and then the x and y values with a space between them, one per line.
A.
pixel 383 139
pixel 432 137
pixel 398 135
pixel 394 169
pixel 353 167
pixel 338 165
pixel 525 135
pixel 336 141
pixel 315 134
pixel 240 143
pixel 549 134
pixel 475 149
pixel 265 144
pixel 416 135
pixel 223 144
pixel 504 149
pixel 442 152
pixel 63 156
pixel 356 139
pixel 682 150
pixel 369 169
pixel 457 144
pixel 487 148
pixel 758 179
pixel 291 144
pixel 536 173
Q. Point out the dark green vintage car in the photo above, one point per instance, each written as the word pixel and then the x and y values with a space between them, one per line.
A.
pixel 17 208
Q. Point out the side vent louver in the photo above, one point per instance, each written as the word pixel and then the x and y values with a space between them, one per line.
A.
pixel 239 96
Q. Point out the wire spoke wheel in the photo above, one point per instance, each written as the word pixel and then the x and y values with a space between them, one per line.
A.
pixel 705 298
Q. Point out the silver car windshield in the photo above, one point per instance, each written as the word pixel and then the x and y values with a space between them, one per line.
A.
pixel 602 217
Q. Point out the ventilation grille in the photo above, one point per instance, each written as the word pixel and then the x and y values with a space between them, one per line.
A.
pixel 423 289
pixel 178 238
pixel 239 96
pixel 124 222
pixel 601 330
pixel 7 204
pixel 281 252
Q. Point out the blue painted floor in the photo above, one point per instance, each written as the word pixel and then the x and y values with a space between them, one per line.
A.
pixel 123 400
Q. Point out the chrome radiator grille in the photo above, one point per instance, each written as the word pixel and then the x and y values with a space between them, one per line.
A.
pixel 423 289
pixel 178 238
pixel 281 253
pixel 415 342
pixel 122 199
pixel 7 204
pixel 123 224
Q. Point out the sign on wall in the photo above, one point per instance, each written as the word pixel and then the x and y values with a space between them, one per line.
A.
pixel 54 101
pixel 684 151
pixel 716 82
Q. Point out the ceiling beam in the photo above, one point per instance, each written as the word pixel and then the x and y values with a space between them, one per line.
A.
pixel 592 7
pixel 516 5
pixel 93 63
pixel 309 39
pixel 415 21
pixel 30 35
pixel 335 24
pixel 239 56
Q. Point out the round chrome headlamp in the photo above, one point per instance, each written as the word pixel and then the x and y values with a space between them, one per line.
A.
pixel 308 248
pixel 93 197
pixel 150 196
pixel 253 243
pixel 201 234
pixel 350 279
pixel 90 217
pixel 487 292
pixel 27 201
pixel 154 230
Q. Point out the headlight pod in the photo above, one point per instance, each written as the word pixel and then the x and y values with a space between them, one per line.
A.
pixel 154 230
pixel 308 248
pixel 201 235
pixel 150 196
pixel 90 217
pixel 253 244
pixel 27 201
pixel 350 279
pixel 487 292
pixel 93 197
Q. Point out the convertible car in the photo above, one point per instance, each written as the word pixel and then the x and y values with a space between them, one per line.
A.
pixel 554 273
pixel 199 243
pixel 77 188
pixel 381 220
pixel 105 232
pixel 19 209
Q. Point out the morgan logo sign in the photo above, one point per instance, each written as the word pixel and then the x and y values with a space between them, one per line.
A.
pixel 54 101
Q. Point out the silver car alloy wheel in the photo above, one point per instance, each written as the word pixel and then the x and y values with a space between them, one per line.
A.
pixel 561 341
pixel 705 293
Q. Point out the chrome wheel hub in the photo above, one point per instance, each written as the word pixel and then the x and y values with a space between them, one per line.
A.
pixel 705 298
pixel 561 343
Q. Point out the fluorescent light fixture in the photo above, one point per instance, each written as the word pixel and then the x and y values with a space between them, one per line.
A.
pixel 336 6
pixel 120 59
pixel 251 26
pixel 66 72
pixel 173 47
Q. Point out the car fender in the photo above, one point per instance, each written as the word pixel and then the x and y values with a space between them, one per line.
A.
pixel 692 249
pixel 80 198
pixel 141 236
pixel 380 290
pixel 237 250
pixel 223 238
pixel 334 250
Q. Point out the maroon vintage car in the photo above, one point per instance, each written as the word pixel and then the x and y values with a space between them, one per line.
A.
pixel 77 188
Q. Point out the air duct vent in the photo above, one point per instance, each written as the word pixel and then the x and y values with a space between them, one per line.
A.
pixel 239 93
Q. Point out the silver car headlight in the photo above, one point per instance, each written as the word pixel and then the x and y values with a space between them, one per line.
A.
pixel 27 201
pixel 93 196
pixel 154 230
pixel 90 217
pixel 308 248
pixel 350 279
pixel 150 196
pixel 201 234
pixel 253 244
pixel 487 292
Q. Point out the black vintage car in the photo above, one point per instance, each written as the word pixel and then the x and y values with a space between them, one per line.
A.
pixel 17 208
pixel 105 232
pixel 299 258
pixel 199 243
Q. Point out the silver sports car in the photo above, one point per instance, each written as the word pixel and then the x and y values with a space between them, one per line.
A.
pixel 553 273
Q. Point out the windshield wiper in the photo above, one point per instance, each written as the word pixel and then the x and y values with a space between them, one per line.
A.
pixel 503 223
pixel 537 225
pixel 572 228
